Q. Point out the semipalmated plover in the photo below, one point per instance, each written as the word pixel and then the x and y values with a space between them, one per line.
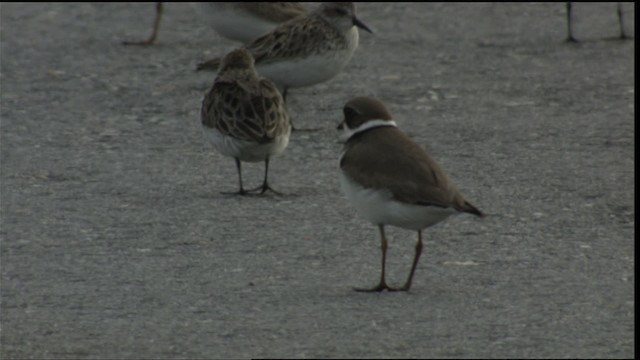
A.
pixel 391 180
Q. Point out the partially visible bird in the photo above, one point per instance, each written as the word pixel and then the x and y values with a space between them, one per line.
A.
pixel 571 38
pixel 247 21
pixel 238 21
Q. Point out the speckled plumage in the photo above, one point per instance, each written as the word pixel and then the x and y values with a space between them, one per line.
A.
pixel 293 39
pixel 306 50
pixel 244 114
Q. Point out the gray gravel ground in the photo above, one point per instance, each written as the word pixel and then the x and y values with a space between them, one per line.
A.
pixel 116 241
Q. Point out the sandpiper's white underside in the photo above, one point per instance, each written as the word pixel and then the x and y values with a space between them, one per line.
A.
pixel 247 151
pixel 310 70
pixel 378 206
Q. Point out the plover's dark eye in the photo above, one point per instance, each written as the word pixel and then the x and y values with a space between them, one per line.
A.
pixel 349 113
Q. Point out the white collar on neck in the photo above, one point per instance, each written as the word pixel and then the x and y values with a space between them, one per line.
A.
pixel 348 133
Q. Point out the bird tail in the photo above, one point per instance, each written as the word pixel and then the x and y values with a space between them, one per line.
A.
pixel 468 208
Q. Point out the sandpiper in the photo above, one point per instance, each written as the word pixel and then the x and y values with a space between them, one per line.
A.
pixel 244 115
pixel 306 50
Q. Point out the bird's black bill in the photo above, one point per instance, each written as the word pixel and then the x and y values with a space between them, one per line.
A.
pixel 361 25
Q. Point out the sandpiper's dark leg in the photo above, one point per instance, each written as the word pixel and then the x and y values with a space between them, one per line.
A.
pixel 156 26
pixel 407 285
pixel 620 20
pixel 265 185
pixel 284 98
pixel 241 191
pixel 382 284
pixel 570 37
